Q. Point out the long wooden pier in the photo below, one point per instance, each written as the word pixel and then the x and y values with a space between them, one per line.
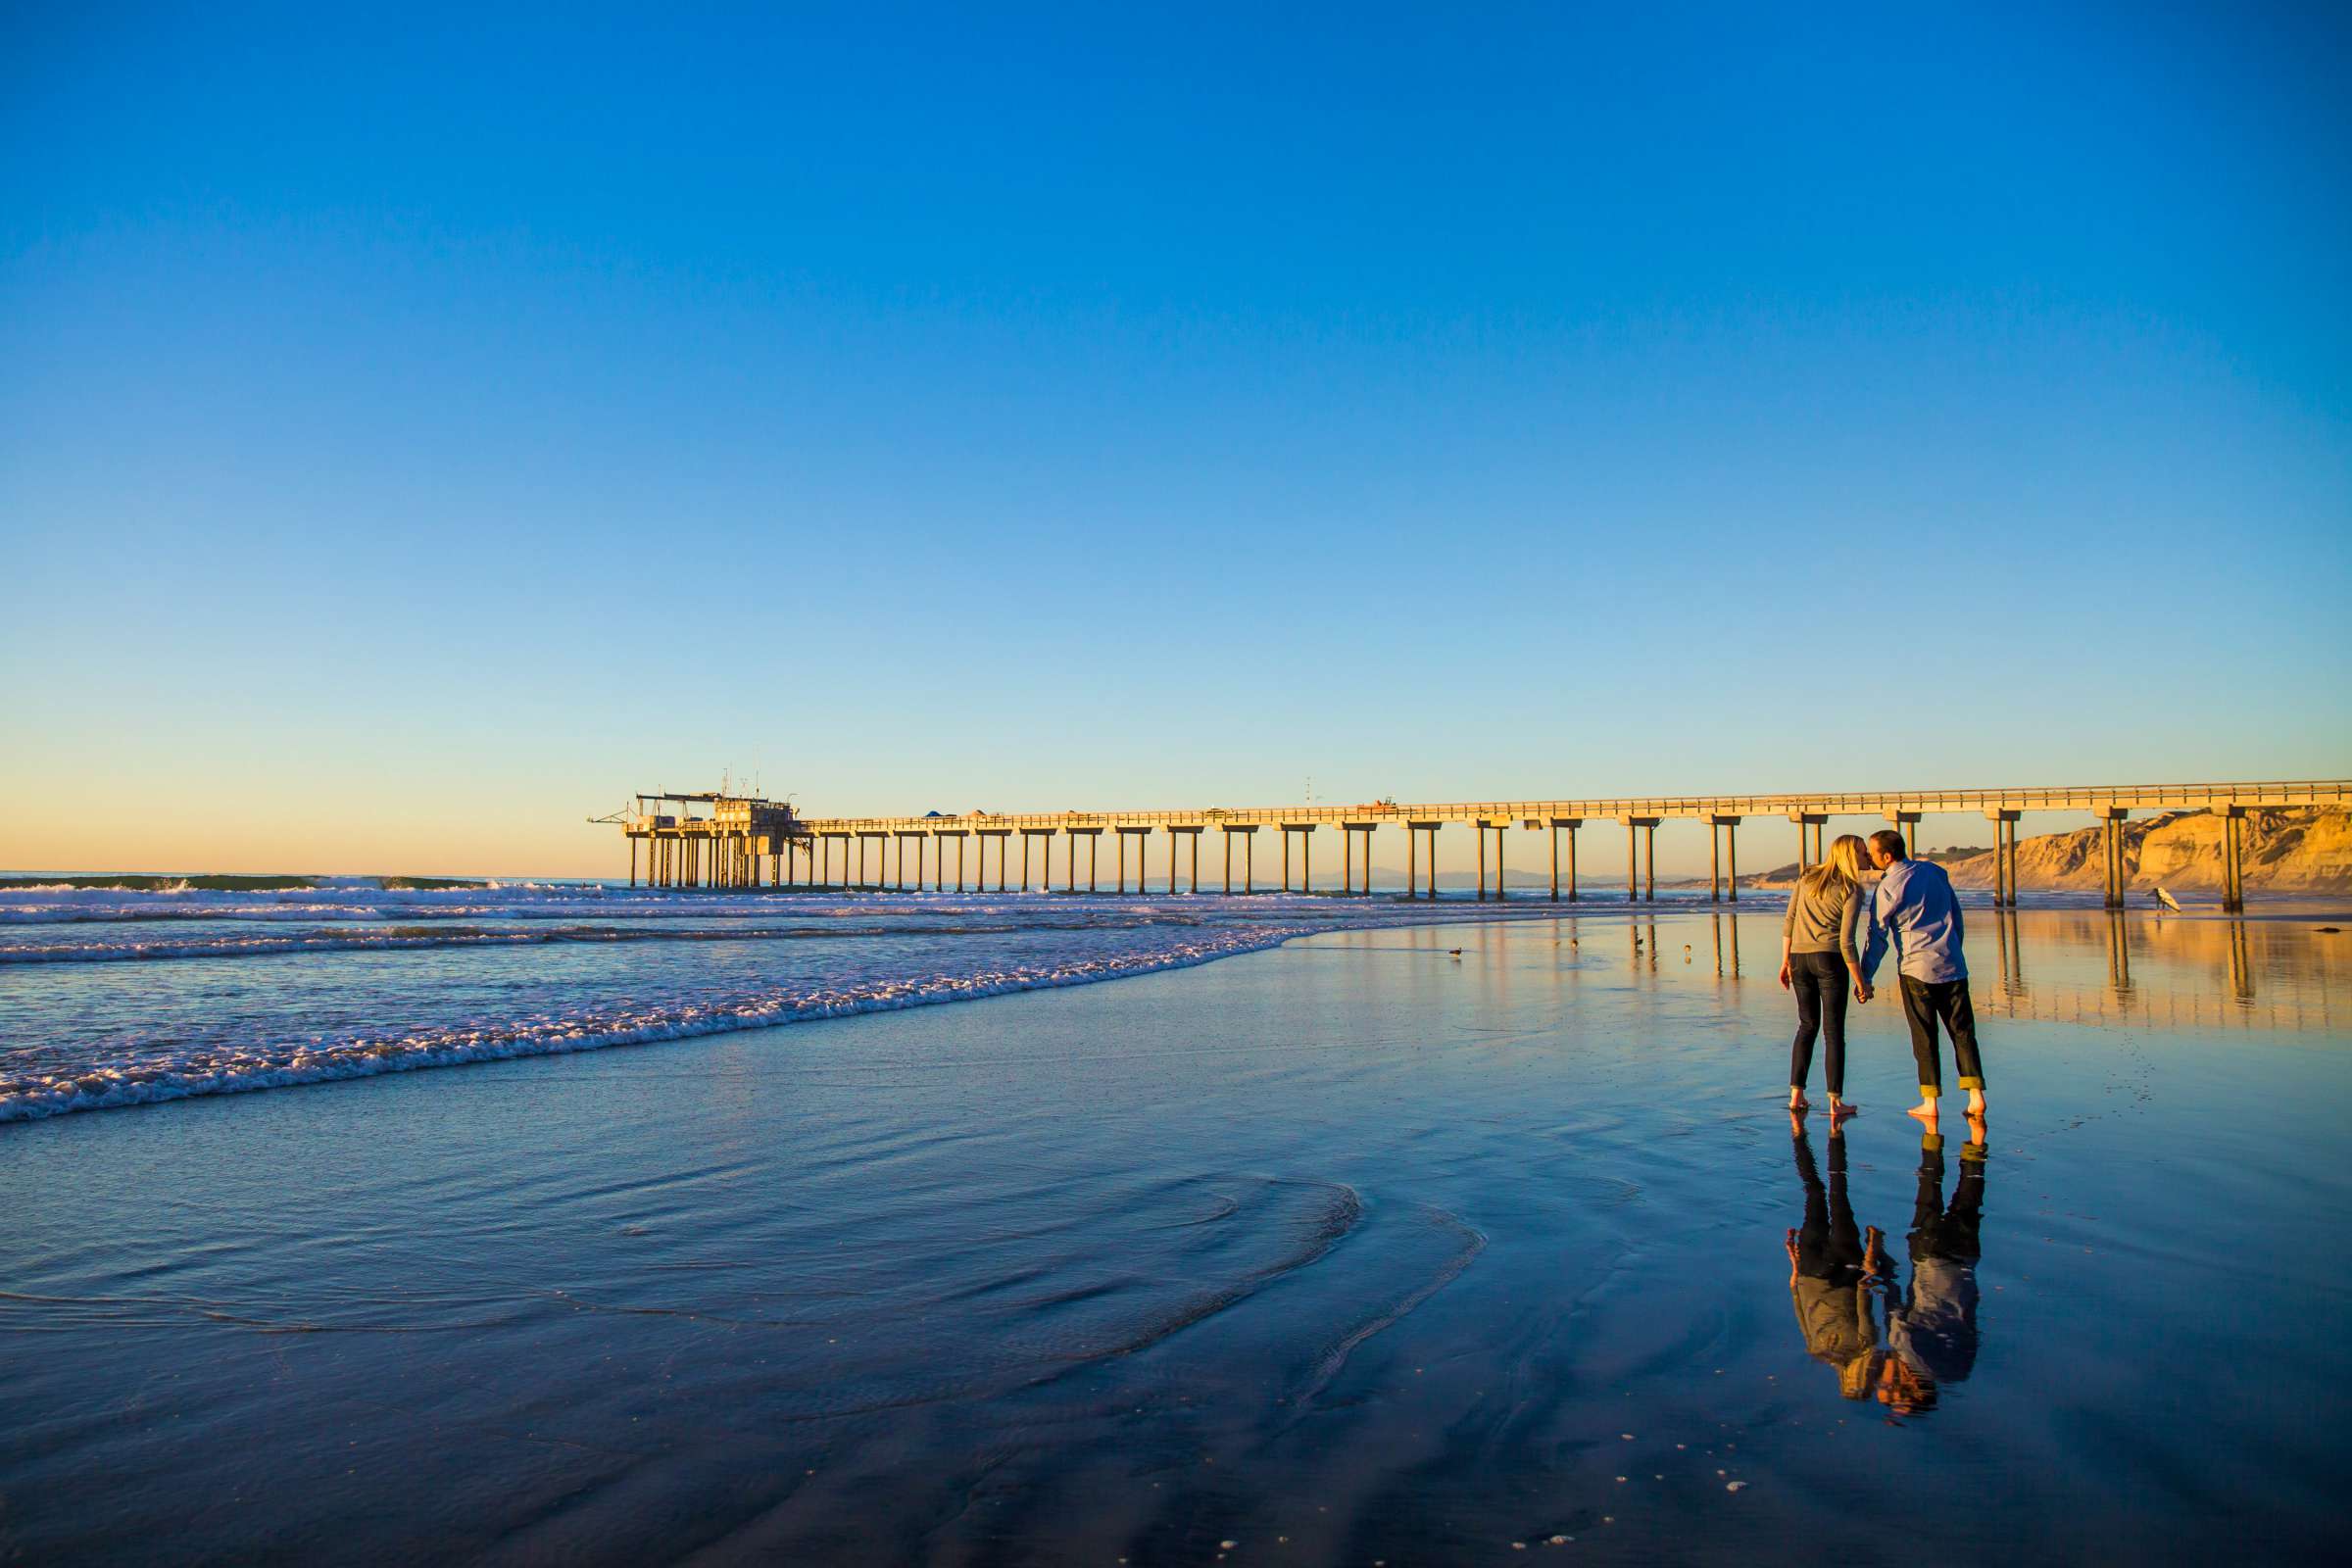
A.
pixel 753 843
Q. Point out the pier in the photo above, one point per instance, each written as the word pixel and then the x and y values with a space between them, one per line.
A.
pixel 742 842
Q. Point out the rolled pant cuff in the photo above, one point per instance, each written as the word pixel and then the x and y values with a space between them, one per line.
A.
pixel 1929 1091
pixel 1972 1083
pixel 1931 1144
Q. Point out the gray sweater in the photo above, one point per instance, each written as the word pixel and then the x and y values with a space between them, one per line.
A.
pixel 1824 920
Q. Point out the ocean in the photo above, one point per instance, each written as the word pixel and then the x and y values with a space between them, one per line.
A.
pixel 1394 1235
pixel 119 997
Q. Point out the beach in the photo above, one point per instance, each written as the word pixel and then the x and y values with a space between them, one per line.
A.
pixel 1342 1248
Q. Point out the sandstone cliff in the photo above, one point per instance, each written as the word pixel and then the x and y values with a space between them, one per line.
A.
pixel 2299 850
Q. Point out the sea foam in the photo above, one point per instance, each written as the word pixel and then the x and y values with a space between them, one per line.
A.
pixel 361 980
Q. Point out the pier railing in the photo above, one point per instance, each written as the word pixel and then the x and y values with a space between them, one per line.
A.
pixel 1849 803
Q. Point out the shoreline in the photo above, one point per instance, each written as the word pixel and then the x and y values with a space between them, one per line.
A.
pixel 614 1027
pixel 377 1058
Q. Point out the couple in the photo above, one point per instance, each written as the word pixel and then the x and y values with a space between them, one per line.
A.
pixel 1915 910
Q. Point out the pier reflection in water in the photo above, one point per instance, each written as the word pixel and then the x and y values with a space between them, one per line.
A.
pixel 2192 969
pixel 2172 972
pixel 2096 967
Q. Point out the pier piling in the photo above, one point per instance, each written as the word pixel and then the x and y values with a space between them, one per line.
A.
pixel 1412 831
pixel 2111 836
pixel 1641 847
pixel 1729 828
pixel 1571 823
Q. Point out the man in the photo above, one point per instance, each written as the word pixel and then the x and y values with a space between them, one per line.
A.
pixel 1916 909
pixel 1932 1328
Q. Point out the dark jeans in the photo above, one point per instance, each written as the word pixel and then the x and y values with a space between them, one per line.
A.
pixel 1950 1233
pixel 1927 1003
pixel 1829 1244
pixel 1819 981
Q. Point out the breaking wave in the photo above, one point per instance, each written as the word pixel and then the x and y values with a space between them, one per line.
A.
pixel 363 939
pixel 225 1070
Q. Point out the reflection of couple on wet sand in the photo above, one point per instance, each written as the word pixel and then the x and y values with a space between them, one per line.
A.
pixel 1915 912
pixel 1836 1269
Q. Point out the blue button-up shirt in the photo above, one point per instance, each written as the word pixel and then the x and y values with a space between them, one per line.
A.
pixel 1916 913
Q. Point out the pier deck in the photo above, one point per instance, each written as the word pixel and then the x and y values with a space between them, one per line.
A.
pixel 746 842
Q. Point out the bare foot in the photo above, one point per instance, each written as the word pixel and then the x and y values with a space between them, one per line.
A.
pixel 1797 1100
pixel 1975 1103
pixel 1839 1110
pixel 1925 1111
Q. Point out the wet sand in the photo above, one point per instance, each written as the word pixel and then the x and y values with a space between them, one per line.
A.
pixel 1345 1251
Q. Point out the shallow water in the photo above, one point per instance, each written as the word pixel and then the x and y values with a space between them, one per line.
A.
pixel 1345 1251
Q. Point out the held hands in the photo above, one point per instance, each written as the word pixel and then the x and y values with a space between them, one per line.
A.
pixel 1862 991
pixel 1873 1252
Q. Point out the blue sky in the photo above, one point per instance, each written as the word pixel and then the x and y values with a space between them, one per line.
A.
pixel 418 430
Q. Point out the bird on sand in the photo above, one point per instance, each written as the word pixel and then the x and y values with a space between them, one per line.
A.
pixel 1454 952
pixel 2168 900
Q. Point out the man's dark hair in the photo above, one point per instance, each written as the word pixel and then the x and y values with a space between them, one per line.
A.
pixel 1889 843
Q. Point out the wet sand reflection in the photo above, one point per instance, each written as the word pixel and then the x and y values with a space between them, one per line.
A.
pixel 1839 1276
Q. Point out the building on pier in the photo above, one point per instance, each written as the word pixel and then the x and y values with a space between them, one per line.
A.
pixel 709 840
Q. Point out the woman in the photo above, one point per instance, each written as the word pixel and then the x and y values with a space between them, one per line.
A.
pixel 1818 961
pixel 1832 1264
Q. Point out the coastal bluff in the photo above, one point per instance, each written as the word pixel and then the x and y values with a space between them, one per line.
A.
pixel 2288 850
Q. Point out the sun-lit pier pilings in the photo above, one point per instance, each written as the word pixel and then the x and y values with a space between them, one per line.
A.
pixel 1486 825
pixel 728 841
pixel 2004 857
pixel 1723 850
pixel 1094 856
pixel 1641 841
pixel 1571 823
pixel 1306 851
pixel 1141 837
pixel 1349 832
pixel 1907 824
pixel 2111 851
pixel 1249 835
pixel 1413 834
pixel 734 841
pixel 1179 834
pixel 2233 855
pixel 1809 828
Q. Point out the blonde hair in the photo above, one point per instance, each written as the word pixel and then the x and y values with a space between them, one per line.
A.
pixel 1843 865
